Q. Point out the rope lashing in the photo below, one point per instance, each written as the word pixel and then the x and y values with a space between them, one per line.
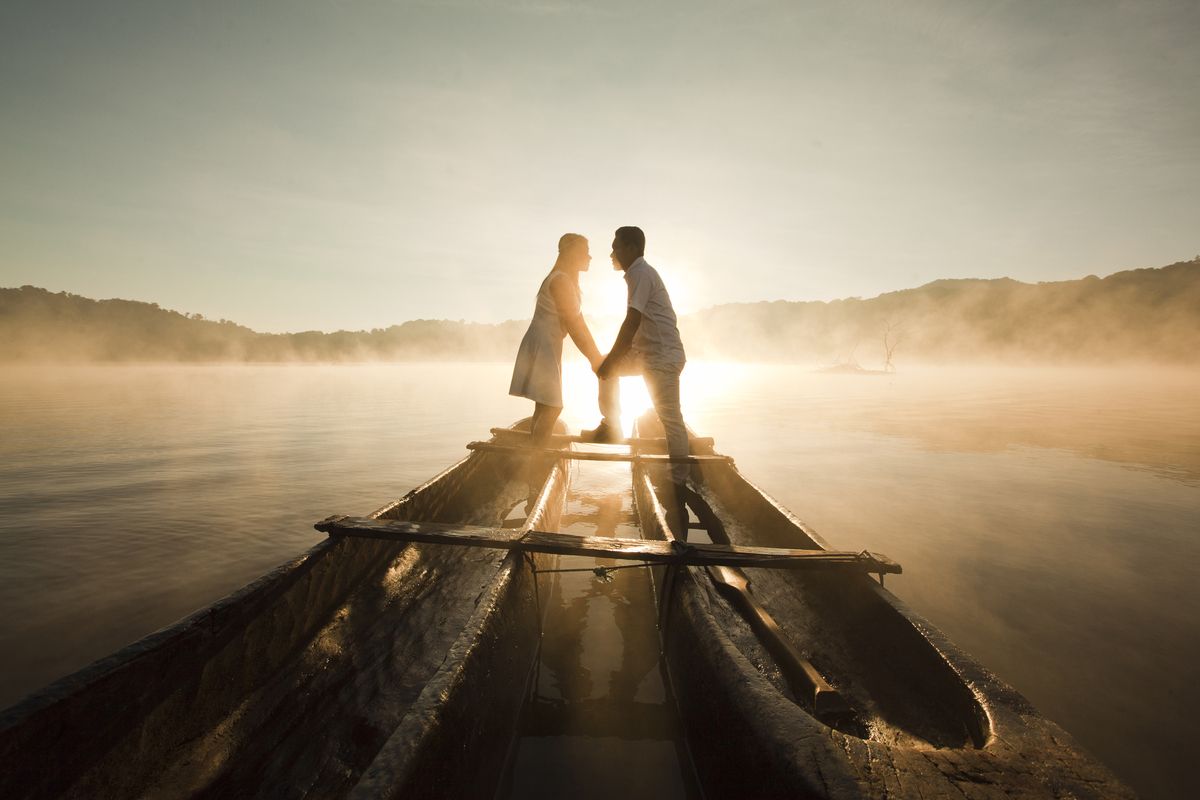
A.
pixel 865 556
pixel 603 573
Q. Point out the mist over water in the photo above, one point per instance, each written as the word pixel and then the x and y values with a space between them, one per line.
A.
pixel 1047 519
pixel 1136 316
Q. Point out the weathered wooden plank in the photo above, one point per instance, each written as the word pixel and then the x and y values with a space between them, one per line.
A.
pixel 587 455
pixel 653 551
pixel 696 442
pixel 804 678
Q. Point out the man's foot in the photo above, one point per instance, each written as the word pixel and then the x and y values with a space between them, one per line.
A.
pixel 604 433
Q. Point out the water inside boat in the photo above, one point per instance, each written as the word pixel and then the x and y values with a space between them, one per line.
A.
pixel 599 719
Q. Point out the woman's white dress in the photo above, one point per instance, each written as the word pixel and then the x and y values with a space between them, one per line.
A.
pixel 537 375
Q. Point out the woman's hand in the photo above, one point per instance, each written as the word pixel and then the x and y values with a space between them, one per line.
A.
pixel 605 367
pixel 596 361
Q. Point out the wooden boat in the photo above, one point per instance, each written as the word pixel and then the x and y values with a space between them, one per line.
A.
pixel 383 663
pixel 358 669
pixel 827 685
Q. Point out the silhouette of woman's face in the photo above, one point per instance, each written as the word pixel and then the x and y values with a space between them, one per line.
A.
pixel 580 257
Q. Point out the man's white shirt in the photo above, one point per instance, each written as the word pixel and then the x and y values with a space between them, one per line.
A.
pixel 657 339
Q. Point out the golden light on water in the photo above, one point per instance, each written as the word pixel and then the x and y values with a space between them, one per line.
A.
pixel 580 390
pixel 703 384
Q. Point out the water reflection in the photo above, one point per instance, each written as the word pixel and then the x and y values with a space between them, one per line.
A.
pixel 599 721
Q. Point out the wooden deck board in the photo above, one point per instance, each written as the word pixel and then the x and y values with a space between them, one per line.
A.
pixel 695 442
pixel 590 455
pixel 652 551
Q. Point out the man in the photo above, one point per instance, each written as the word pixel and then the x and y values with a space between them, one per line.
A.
pixel 648 344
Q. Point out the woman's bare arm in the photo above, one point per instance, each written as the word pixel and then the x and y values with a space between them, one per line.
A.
pixel 633 318
pixel 572 317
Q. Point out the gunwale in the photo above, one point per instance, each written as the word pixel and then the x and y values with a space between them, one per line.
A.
pixel 780 748
pixel 115 726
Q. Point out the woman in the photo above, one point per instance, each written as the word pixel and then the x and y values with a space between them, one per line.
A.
pixel 537 374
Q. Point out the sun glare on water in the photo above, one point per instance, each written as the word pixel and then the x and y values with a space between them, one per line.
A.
pixel 702 385
pixel 580 391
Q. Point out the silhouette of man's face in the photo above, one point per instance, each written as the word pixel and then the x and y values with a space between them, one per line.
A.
pixel 623 254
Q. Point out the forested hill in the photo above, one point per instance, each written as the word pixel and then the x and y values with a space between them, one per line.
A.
pixel 1142 315
pixel 1137 315
pixel 37 325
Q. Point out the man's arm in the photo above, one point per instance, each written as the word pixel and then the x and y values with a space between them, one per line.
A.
pixel 633 318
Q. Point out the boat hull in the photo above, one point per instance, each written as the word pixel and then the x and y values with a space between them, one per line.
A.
pixel 361 668
pixel 925 719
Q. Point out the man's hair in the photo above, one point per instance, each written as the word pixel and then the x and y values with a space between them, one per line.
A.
pixel 570 241
pixel 634 237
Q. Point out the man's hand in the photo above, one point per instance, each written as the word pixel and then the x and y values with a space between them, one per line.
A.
pixel 633 318
pixel 605 368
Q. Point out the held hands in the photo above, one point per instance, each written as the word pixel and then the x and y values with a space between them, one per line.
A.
pixel 604 368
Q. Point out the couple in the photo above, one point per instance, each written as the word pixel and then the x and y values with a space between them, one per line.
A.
pixel 648 344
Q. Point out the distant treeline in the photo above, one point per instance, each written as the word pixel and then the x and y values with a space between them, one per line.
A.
pixel 37 325
pixel 1143 315
pixel 1137 315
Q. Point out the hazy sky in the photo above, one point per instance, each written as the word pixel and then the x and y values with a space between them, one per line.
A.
pixel 331 164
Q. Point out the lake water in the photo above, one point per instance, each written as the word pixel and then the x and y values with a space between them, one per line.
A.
pixel 1047 520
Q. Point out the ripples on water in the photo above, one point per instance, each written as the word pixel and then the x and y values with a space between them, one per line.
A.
pixel 1047 520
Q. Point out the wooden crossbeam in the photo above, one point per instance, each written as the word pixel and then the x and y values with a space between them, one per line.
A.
pixel 652 551
pixel 695 442
pixel 588 455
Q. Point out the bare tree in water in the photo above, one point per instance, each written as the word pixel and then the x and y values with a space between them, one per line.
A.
pixel 891 339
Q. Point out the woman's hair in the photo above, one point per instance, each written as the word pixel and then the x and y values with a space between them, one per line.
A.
pixel 569 241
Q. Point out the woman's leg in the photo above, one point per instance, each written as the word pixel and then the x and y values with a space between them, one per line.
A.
pixel 540 429
pixel 542 426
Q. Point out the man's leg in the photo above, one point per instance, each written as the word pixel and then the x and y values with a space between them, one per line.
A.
pixel 664 391
pixel 610 394
pixel 610 401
